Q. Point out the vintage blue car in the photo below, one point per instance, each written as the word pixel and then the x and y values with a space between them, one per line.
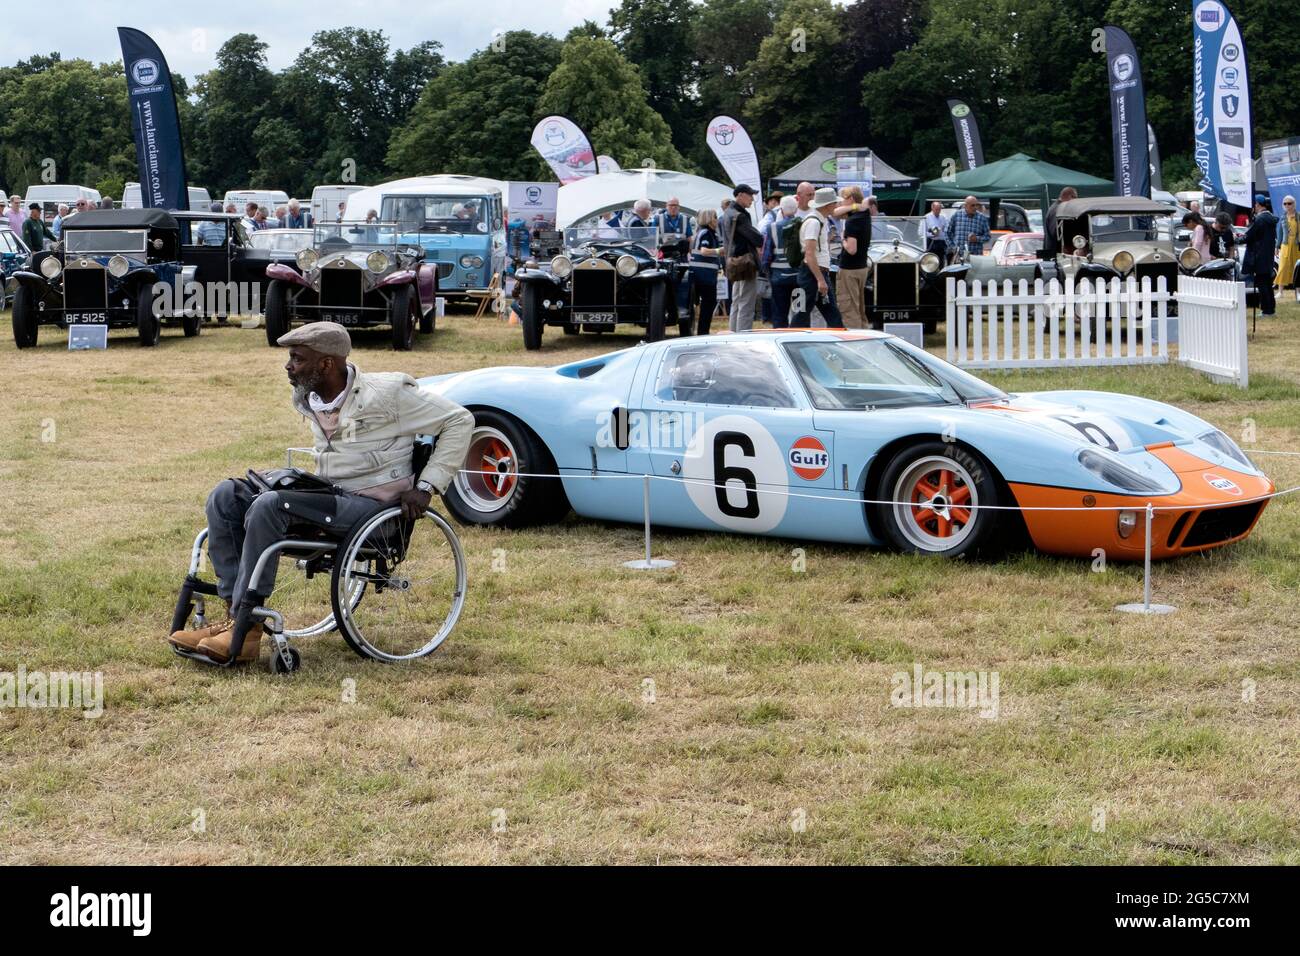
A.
pixel 103 272
pixel 844 436
pixel 13 256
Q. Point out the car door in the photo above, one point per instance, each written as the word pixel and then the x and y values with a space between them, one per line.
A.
pixel 731 444
pixel 211 261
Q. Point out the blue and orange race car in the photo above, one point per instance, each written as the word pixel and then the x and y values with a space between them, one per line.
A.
pixel 845 436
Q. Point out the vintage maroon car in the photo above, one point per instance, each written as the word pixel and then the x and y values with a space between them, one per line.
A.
pixel 359 274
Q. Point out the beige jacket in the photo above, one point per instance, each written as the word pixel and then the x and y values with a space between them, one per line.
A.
pixel 378 423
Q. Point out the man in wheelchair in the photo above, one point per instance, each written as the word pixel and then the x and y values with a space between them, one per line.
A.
pixel 365 427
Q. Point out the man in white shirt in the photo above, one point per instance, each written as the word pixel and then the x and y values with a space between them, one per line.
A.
pixel 815 288
pixel 936 228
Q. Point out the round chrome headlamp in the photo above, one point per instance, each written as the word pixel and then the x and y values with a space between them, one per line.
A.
pixel 1080 242
pixel 306 259
pixel 470 262
pixel 626 266
pixel 561 266
pixel 51 267
pixel 118 266
pixel 1189 258
pixel 930 263
pixel 1122 261
pixel 377 261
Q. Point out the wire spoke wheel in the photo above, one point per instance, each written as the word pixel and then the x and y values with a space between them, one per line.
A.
pixel 413 577
pixel 305 602
pixel 935 503
pixel 491 472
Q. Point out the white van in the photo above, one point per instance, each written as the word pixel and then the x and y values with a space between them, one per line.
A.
pixel 200 201
pixel 268 198
pixel 325 201
pixel 50 195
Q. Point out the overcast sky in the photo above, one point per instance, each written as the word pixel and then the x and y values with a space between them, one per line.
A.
pixel 190 38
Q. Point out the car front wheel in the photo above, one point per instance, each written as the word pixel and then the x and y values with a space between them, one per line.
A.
pixel 24 317
pixel 499 483
pixel 530 317
pixel 654 326
pixel 147 324
pixel 939 496
pixel 277 311
pixel 401 316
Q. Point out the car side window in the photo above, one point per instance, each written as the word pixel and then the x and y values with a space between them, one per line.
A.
pixel 722 375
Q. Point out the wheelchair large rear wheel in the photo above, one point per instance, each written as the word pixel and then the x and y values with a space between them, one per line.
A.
pixel 414 578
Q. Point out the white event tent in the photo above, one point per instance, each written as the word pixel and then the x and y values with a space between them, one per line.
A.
pixel 608 192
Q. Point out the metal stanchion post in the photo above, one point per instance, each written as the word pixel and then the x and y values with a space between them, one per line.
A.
pixel 1146 607
pixel 648 563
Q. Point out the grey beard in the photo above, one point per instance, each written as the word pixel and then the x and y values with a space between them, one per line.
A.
pixel 300 393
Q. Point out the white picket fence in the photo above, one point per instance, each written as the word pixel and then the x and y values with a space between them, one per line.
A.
pixel 1212 328
pixel 1097 322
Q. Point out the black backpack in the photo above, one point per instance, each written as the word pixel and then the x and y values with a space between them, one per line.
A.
pixel 790 241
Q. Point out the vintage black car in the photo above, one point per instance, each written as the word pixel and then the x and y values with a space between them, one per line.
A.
pixel 103 272
pixel 606 275
pixel 904 282
pixel 219 255
pixel 359 274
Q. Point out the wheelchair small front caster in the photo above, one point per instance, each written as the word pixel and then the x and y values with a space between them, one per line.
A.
pixel 278 664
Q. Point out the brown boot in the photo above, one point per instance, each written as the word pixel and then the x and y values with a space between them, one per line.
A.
pixel 189 640
pixel 218 646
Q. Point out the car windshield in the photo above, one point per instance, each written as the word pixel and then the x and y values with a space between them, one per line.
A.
pixel 288 241
pixel 647 237
pixel 99 241
pixel 1118 227
pixel 908 229
pixel 866 374
pixel 355 236
pixel 436 213
pixel 1023 247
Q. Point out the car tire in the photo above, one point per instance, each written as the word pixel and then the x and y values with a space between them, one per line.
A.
pixel 474 497
pixel 914 475
pixel 25 319
pixel 277 311
pixel 401 316
pixel 191 325
pixel 530 318
pixel 571 329
pixel 429 319
pixel 147 325
pixel 657 312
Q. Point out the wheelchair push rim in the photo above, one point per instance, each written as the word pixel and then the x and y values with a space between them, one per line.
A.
pixel 414 579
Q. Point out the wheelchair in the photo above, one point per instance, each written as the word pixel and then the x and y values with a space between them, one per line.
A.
pixel 396 587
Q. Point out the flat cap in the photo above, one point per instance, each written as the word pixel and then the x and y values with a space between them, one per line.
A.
pixel 328 338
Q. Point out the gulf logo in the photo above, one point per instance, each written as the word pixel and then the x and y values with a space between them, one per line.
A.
pixel 1223 484
pixel 808 458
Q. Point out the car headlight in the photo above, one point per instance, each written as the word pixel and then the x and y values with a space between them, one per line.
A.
pixel 1220 442
pixel 118 266
pixel 306 259
pixel 377 261
pixel 930 262
pixel 471 262
pixel 1125 522
pixel 1080 242
pixel 1122 261
pixel 1117 473
pixel 51 267
pixel 625 266
pixel 561 266
pixel 1189 258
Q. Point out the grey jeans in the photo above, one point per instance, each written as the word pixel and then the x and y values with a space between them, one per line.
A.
pixel 744 300
pixel 242 524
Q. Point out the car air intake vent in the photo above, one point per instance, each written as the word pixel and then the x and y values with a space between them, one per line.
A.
pixel 1215 525
pixel 85 289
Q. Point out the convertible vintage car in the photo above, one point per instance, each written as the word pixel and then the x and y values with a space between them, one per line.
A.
pixel 904 282
pixel 607 275
pixel 359 274
pixel 845 436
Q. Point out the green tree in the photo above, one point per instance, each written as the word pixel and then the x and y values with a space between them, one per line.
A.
pixel 601 91
pixel 476 117
pixel 232 99
pixel 803 95
pixel 657 37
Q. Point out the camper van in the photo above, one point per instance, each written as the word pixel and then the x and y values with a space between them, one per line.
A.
pixel 51 195
pixel 200 201
pixel 458 220
pixel 325 201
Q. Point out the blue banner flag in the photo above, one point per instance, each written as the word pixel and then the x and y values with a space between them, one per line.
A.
pixel 969 146
pixel 1128 115
pixel 155 122
pixel 1221 104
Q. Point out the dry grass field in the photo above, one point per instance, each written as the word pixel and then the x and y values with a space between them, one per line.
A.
pixel 532 736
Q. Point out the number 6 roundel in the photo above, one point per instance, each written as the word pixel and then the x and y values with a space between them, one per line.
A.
pixel 729 466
